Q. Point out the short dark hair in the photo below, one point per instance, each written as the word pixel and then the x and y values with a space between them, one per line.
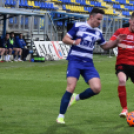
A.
pixel 11 33
pixel 97 10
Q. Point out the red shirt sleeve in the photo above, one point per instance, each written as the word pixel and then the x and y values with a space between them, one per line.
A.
pixel 114 36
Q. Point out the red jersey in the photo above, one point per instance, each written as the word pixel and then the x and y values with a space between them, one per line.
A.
pixel 125 54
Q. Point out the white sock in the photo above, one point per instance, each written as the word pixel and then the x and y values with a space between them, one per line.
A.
pixel 6 58
pixel 77 97
pixel 9 57
pixel 61 116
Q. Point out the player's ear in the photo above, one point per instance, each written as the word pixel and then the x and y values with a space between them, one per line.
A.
pixel 91 17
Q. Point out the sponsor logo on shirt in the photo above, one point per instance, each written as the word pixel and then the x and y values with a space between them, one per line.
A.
pixel 130 37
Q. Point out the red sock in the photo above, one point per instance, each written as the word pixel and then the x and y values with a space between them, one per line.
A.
pixel 122 96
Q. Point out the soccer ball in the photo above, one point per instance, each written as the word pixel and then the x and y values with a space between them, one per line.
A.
pixel 130 119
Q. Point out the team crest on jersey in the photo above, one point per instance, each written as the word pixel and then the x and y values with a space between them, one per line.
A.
pixel 130 37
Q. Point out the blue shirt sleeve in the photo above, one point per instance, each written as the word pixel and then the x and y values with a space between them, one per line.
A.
pixel 101 41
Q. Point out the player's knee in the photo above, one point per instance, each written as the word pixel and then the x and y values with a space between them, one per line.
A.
pixel 122 82
pixel 70 88
pixel 96 89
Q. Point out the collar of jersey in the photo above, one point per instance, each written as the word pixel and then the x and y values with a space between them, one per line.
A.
pixel 89 25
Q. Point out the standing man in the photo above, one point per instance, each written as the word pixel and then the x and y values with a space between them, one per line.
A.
pixel 125 62
pixel 82 37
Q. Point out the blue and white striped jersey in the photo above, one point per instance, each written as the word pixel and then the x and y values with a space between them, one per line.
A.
pixel 88 36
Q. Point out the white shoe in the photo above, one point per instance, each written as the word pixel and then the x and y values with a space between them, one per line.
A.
pixel 60 120
pixel 19 60
pixel 10 61
pixel 16 60
pixel 123 113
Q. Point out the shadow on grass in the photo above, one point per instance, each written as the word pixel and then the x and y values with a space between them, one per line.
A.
pixel 62 129
pixel 119 129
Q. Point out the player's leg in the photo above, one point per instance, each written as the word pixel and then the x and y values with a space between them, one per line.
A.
pixel 122 93
pixel 9 53
pixel 24 53
pixel 6 56
pixel 20 53
pixel 91 76
pixel 3 50
pixel 71 83
pixel 73 74
pixel 16 51
pixel 95 88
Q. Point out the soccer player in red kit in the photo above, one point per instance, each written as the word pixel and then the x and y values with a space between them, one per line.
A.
pixel 125 62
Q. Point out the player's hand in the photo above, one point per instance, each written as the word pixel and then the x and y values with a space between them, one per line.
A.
pixel 77 42
pixel 121 37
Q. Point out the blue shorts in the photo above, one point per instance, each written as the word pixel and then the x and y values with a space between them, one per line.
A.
pixel 87 70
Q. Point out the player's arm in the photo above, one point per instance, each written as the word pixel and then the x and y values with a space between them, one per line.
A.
pixel 114 43
pixel 67 40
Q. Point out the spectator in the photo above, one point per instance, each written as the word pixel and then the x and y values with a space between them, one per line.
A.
pixel 22 44
pixel 3 47
pixel 17 49
pixel 10 45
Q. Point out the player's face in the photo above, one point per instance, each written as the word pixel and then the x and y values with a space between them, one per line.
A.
pixel 12 35
pixel 20 36
pixel 7 36
pixel 96 19
pixel 131 25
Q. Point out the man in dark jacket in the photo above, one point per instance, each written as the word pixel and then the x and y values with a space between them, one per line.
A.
pixel 10 46
pixel 22 45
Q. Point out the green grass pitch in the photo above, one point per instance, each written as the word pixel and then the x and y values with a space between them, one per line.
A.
pixel 30 95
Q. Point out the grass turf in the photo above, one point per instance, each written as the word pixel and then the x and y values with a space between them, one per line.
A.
pixel 30 95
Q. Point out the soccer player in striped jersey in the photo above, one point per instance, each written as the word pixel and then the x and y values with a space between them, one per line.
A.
pixel 82 37
pixel 125 62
